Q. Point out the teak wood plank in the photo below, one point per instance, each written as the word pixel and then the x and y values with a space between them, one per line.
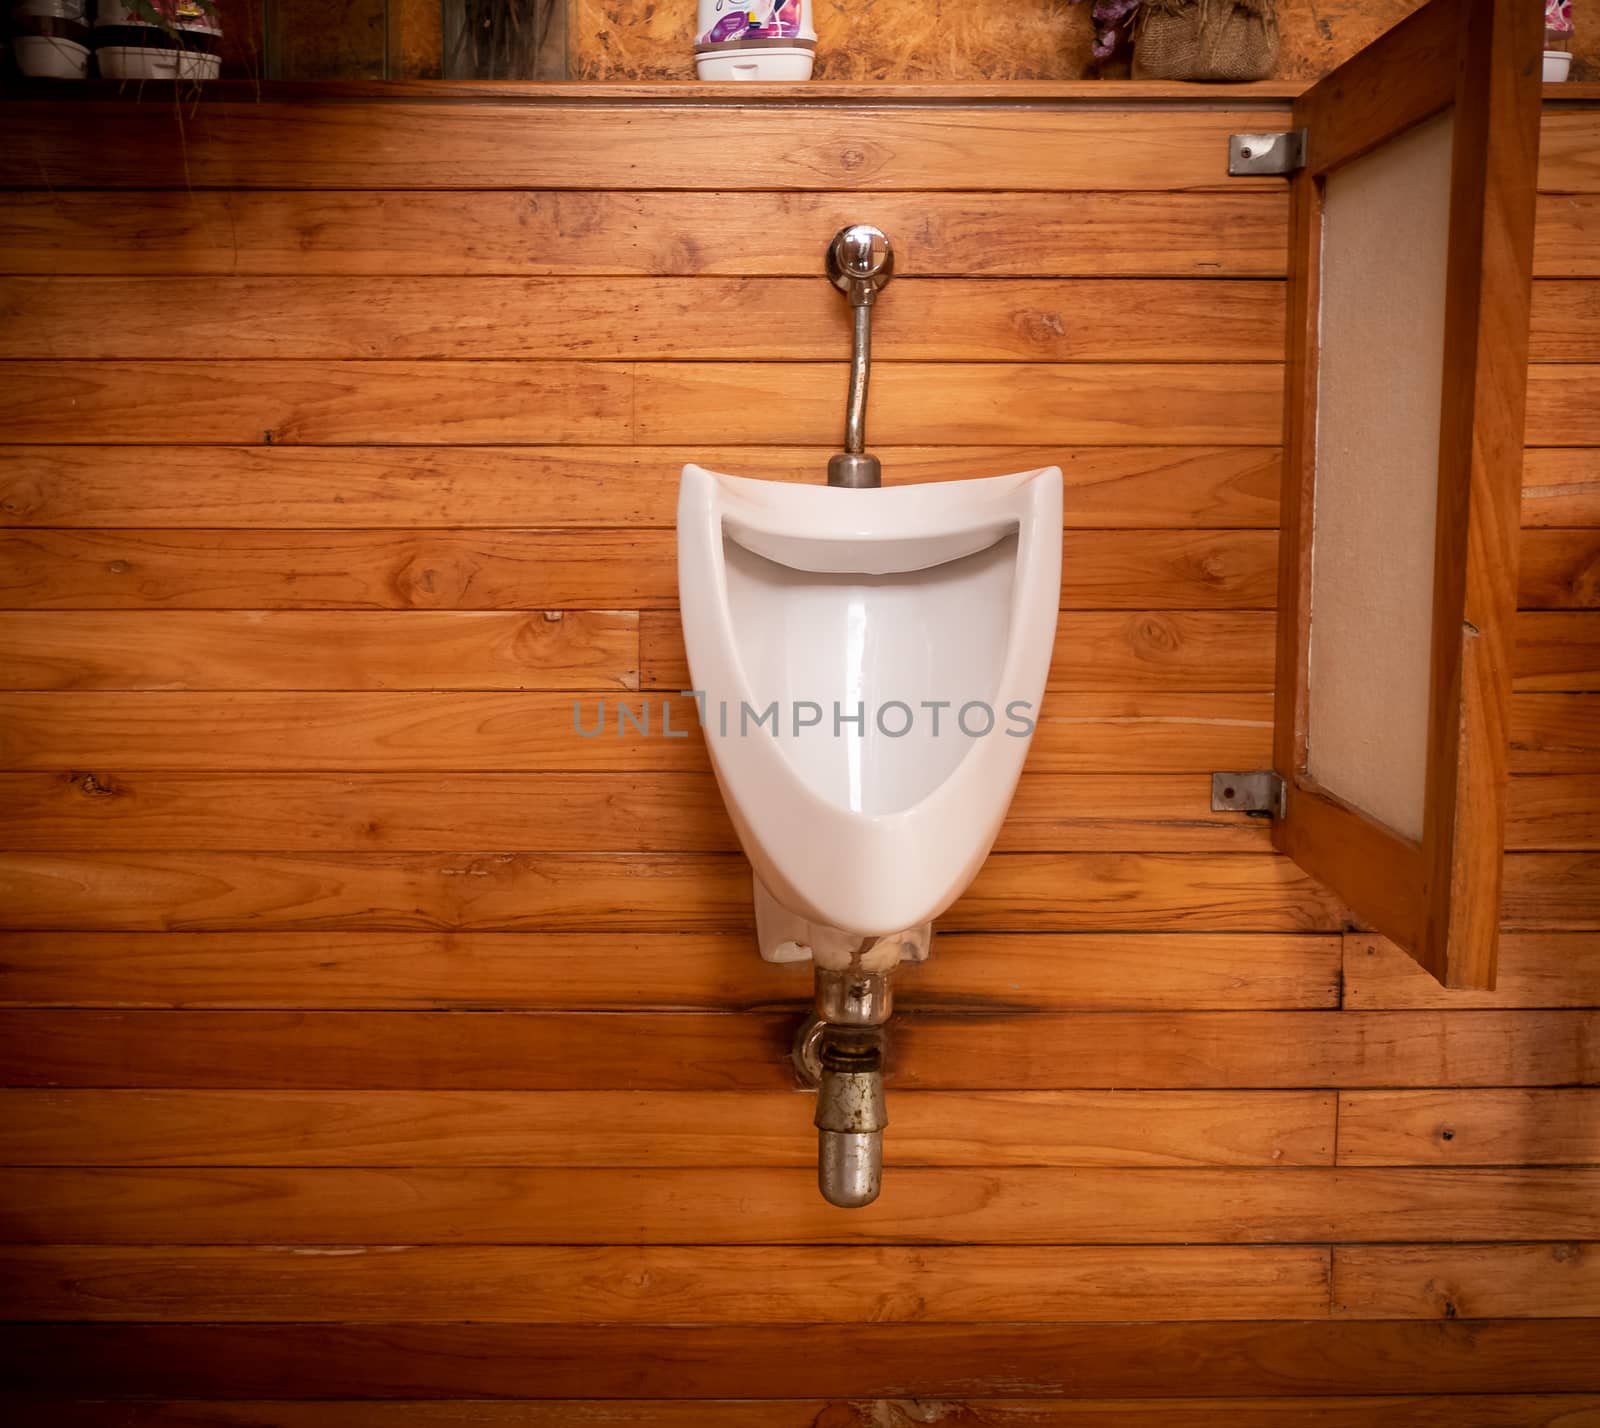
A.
pixel 1566 236
pixel 1478 1127
pixel 666 1128
pixel 1565 322
pixel 1558 650
pixel 585 146
pixel 1554 811
pixel 543 569
pixel 294 649
pixel 1559 569
pixel 1015 1363
pixel 1551 891
pixel 1077 733
pixel 606 812
pixel 301 488
pixel 1537 969
pixel 1555 733
pixel 963 1205
pixel 1561 486
pixel 630 1284
pixel 1466 1282
pixel 657 403
pixel 1358 1411
pixel 406 1050
pixel 671 319
pixel 1086 234
pixel 593 970
pixel 1168 651
pixel 1567 160
pixel 1561 410
pixel 323 402
pixel 1040 892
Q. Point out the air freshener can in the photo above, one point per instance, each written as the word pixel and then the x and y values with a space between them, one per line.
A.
pixel 755 39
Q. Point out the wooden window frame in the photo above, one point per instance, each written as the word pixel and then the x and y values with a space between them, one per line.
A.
pixel 1440 898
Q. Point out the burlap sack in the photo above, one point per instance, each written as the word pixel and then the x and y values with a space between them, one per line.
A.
pixel 1206 39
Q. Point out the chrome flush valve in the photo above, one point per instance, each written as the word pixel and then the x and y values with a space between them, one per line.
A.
pixel 860 263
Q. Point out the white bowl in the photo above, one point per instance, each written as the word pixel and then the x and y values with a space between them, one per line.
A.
pixel 49 57
pixel 1557 64
pixel 137 62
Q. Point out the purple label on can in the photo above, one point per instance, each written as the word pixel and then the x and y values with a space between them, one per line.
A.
pixel 755 20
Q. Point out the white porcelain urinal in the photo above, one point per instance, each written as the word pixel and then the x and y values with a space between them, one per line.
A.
pixel 869 666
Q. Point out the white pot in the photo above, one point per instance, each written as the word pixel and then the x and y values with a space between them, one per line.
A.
pixel 135 62
pixel 48 57
pixel 1557 64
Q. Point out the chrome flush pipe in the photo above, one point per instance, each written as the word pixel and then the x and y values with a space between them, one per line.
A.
pixel 839 1050
pixel 860 263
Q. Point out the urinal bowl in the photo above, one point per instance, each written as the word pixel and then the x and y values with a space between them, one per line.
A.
pixel 869 666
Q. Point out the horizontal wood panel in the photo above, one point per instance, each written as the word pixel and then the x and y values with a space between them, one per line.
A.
pixel 287 487
pixel 579 970
pixel 666 1128
pixel 1011 1205
pixel 400 1050
pixel 1559 569
pixel 1153 650
pixel 1567 160
pixel 608 569
pixel 302 234
pixel 1452 1127
pixel 604 812
pixel 1557 650
pixel 1087 733
pixel 1536 969
pixel 401 145
pixel 1555 733
pixel 955 1362
pixel 1560 410
pixel 1069 892
pixel 1565 241
pixel 629 1284
pixel 1551 891
pixel 618 319
pixel 1565 322
pixel 1434 1411
pixel 1468 1282
pixel 634 812
pixel 1560 486
pixel 289 649
pixel 664 403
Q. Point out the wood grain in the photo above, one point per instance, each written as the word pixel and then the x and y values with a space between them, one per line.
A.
pixel 1470 1282
pixel 1013 1205
pixel 1433 1411
pixel 961 319
pixel 288 649
pixel 564 1051
pixel 295 488
pixel 1559 570
pixel 1480 1127
pixel 664 403
pixel 1077 733
pixel 592 970
pixel 1561 486
pixel 409 145
pixel 1555 733
pixel 603 812
pixel 629 1284
pixel 1171 651
pixel 478 1361
pixel 1537 969
pixel 655 234
pixel 533 569
pixel 665 1128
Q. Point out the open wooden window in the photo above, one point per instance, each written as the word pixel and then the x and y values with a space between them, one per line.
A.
pixel 1410 282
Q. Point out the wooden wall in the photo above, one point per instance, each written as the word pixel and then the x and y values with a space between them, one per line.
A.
pixel 369 1036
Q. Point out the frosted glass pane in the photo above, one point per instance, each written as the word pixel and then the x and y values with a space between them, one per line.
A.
pixel 1380 376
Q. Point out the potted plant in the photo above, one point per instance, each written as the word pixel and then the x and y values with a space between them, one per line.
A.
pixel 158 39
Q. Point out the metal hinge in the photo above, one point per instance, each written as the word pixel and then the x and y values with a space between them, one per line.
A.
pixel 1260 794
pixel 1250 155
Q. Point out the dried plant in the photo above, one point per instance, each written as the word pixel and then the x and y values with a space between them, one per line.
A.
pixel 496 39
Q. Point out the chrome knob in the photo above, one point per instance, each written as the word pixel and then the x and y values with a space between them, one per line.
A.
pixel 860 261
